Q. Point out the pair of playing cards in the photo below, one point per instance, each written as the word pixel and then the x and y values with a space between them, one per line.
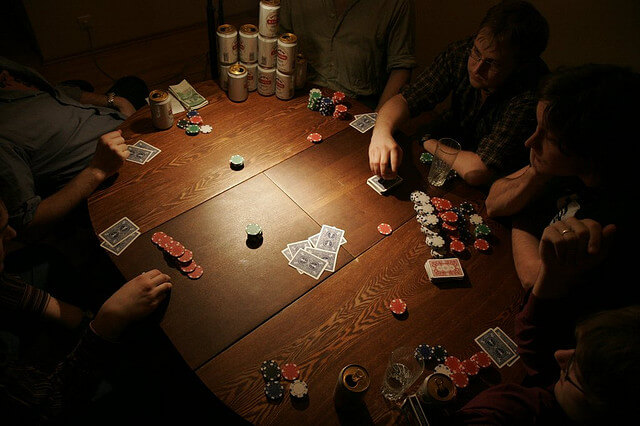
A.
pixel 500 348
pixel 142 152
pixel 364 122
pixel 316 254
pixel 119 236
pixel 382 186
pixel 444 269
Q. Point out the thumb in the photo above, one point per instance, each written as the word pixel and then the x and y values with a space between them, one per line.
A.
pixel 608 235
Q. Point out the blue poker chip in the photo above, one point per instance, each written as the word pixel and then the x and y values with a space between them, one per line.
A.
pixel 274 390
pixel 423 353
pixel 193 113
pixel 440 353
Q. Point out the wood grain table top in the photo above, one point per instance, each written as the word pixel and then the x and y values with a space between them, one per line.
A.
pixel 250 305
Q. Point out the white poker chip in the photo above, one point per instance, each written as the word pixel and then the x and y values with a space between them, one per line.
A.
pixel 431 220
pixel 435 241
pixel 422 219
pixel 205 128
pixel 437 254
pixel 298 389
pixel 423 208
pixel 419 197
pixel 442 369
pixel 475 219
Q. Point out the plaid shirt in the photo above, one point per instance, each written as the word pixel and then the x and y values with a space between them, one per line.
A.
pixel 496 129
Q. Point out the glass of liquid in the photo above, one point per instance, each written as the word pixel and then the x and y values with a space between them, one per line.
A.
pixel 402 371
pixel 446 152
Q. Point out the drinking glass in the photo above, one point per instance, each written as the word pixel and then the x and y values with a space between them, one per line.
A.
pixel 446 152
pixel 403 369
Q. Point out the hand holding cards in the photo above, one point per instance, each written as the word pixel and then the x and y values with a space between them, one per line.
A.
pixel 142 152
pixel 382 186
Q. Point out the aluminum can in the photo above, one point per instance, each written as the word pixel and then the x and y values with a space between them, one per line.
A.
pixel 227 39
pixel 353 382
pixel 267 51
pixel 223 72
pixel 269 17
pixel 286 52
pixel 301 71
pixel 252 76
pixel 436 389
pixel 161 113
pixel 285 85
pixel 248 45
pixel 266 81
pixel 237 83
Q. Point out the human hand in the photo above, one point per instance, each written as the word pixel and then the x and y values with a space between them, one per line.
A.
pixel 111 152
pixel 132 302
pixel 123 105
pixel 385 155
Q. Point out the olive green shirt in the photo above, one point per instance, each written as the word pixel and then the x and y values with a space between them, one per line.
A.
pixel 356 51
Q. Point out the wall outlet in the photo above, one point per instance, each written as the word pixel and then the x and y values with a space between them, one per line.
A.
pixel 85 22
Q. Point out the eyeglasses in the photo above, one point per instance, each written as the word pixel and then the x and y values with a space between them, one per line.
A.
pixel 565 372
pixel 475 55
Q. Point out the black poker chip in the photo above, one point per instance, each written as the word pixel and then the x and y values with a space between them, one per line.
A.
pixel 423 353
pixel 270 370
pixel 273 390
pixel 440 353
pixel 467 208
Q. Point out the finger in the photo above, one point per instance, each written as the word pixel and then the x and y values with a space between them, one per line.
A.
pixel 608 237
pixel 152 273
pixel 555 236
pixel 396 158
pixel 595 235
pixel 161 291
pixel 384 165
pixel 581 236
pixel 160 278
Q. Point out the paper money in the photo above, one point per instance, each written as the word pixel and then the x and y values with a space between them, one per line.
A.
pixel 187 95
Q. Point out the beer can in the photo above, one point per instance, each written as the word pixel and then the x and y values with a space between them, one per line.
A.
pixel 266 81
pixel 227 39
pixel 237 83
pixel 269 17
pixel 267 51
pixel 161 114
pixel 353 382
pixel 286 54
pixel 285 85
pixel 224 76
pixel 248 45
pixel 301 71
pixel 252 76
pixel 436 389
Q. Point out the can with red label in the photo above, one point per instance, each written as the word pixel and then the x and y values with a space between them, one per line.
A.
pixel 285 85
pixel 227 39
pixel 287 47
pixel 252 76
pixel 269 17
pixel 237 83
pixel 267 51
pixel 266 81
pixel 161 114
pixel 248 45
pixel 301 71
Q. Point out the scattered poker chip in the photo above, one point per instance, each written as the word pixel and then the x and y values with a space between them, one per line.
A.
pixel 481 244
pixel 186 257
pixel 436 254
pixel 175 249
pixel 290 372
pixel 157 237
pixel 419 197
pixel 196 119
pixel 253 230
pixel 482 359
pixel 273 390
pixel 449 216
pixel 482 230
pixel 189 267
pixel 454 364
pixel 440 353
pixel 475 219
pixel 192 113
pixel 398 306
pixel 340 112
pixel 460 379
pixel 338 98
pixel 443 369
pixel 205 128
pixel 385 229
pixel 423 208
pixel 449 227
pixel 197 273
pixel 314 138
pixel 270 370
pixel 236 162
pixel 423 352
pixel 457 246
pixel 426 158
pixel 470 367
pixel 441 204
pixel 299 389
pixel 182 124
pixel 435 241
pixel 192 129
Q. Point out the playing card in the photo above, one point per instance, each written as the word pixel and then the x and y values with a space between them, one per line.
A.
pixel 363 123
pixel 308 263
pixel 294 247
pixel 153 149
pixel 507 340
pixel 287 253
pixel 441 269
pixel 328 256
pixel 384 185
pixel 375 188
pixel 314 240
pixel 373 116
pixel 122 245
pixel 499 352
pixel 138 155
pixel 117 232
pixel 330 238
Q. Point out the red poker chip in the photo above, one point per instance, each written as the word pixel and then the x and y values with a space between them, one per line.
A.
pixel 175 249
pixel 481 244
pixel 470 367
pixel 482 359
pixel 460 379
pixel 196 119
pixel 385 229
pixel 338 97
pixel 341 108
pixel 290 372
pixel 165 242
pixel 457 246
pixel 187 257
pixel 441 204
pixel 449 227
pixel 315 138
pixel 157 237
pixel 189 267
pixel 398 306
pixel 197 273
pixel 449 216
pixel 453 363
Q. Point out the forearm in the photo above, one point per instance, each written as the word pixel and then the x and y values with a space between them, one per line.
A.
pixel 397 79
pixel 63 313
pixel 392 114
pixel 467 164
pixel 513 193
pixel 119 103
pixel 525 256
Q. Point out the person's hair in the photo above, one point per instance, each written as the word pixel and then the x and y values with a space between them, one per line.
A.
pixel 520 25
pixel 608 345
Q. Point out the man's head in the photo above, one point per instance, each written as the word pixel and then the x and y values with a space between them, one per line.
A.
pixel 599 379
pixel 587 123
pixel 6 233
pixel 511 35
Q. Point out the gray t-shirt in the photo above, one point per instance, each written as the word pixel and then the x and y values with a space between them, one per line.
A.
pixel 46 138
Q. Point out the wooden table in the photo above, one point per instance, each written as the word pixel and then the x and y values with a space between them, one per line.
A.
pixel 250 306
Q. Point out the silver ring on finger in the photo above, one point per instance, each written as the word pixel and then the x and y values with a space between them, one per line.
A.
pixel 566 231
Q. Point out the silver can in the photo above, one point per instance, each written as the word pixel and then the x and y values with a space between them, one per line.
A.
pixel 252 76
pixel 266 81
pixel 301 71
pixel 285 85
pixel 287 47
pixel 224 76
pixel 237 83
pixel 269 17
pixel 161 114
pixel 353 383
pixel 267 51
pixel 227 39
pixel 248 45
pixel 437 388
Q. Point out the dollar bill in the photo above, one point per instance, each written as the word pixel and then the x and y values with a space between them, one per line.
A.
pixel 187 95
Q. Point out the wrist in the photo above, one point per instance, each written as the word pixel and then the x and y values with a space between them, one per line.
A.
pixel 106 327
pixel 95 174
pixel 548 287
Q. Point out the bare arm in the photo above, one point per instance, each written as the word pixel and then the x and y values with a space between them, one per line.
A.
pixel 468 165
pixel 525 256
pixel 513 193
pixel 121 104
pixel 398 78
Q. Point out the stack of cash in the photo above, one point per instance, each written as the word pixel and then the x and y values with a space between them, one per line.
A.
pixel 187 95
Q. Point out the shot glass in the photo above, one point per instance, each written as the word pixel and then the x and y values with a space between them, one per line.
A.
pixel 446 153
pixel 402 371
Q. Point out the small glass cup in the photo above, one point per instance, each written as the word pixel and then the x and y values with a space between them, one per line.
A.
pixel 402 371
pixel 446 153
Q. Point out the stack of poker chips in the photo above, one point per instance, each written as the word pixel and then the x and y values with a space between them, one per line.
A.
pixel 193 124
pixel 181 257
pixel 458 371
pixel 326 106
pixel 340 112
pixel 314 99
pixel 273 389
pixel 338 98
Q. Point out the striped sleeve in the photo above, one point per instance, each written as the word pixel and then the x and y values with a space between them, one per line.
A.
pixel 16 295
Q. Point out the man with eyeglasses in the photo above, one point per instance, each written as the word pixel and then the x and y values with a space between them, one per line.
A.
pixel 492 78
